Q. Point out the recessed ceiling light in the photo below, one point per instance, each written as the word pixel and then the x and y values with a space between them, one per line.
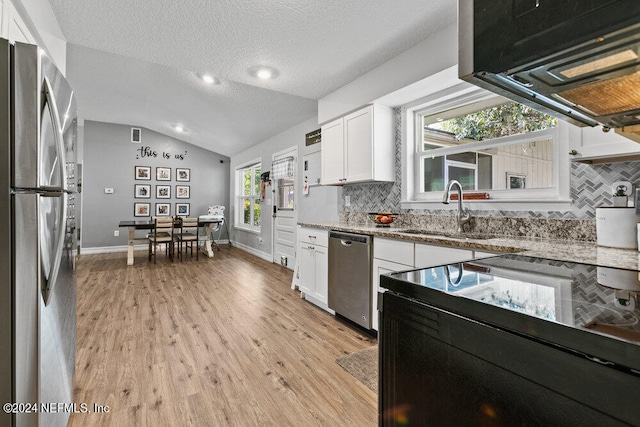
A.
pixel 263 72
pixel 178 128
pixel 208 79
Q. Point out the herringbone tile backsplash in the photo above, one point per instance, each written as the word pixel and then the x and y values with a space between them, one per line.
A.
pixel 590 188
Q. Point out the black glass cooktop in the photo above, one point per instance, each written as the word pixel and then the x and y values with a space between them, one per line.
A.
pixel 585 308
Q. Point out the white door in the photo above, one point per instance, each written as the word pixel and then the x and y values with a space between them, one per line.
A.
pixel 284 212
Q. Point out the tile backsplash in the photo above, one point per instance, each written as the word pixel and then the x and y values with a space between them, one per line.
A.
pixel 590 188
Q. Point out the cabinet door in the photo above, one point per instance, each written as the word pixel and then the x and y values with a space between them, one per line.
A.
pixel 358 130
pixel 321 277
pixel 17 30
pixel 394 250
pixel 307 268
pixel 596 143
pixel 332 153
pixel 433 255
pixel 381 267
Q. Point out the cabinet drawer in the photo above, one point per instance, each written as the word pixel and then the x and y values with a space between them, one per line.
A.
pixel 316 236
pixel 484 254
pixel 433 255
pixel 394 250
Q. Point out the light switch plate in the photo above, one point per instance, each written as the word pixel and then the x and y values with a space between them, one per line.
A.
pixel 108 191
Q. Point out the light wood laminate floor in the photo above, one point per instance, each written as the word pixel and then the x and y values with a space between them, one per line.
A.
pixel 213 342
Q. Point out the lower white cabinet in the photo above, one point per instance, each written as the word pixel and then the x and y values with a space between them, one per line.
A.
pixel 391 255
pixel 381 266
pixel 313 261
pixel 432 255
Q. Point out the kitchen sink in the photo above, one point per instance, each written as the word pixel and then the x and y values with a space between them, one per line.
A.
pixel 451 235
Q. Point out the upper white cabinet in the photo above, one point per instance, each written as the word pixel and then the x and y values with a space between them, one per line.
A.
pixel 12 26
pixel 359 147
pixel 596 144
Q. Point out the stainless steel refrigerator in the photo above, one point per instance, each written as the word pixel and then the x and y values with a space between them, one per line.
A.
pixel 37 237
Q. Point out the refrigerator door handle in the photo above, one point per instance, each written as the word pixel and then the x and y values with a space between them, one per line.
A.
pixel 54 262
pixel 48 100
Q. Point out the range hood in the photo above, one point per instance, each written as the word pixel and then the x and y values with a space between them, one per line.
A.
pixel 577 60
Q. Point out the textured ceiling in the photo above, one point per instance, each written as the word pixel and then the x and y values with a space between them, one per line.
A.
pixel 136 62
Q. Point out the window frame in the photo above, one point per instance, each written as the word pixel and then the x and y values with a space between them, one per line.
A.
pixel 556 197
pixel 241 197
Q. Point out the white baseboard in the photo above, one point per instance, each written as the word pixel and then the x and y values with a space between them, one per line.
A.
pixel 322 305
pixel 253 251
pixel 110 249
pixel 123 248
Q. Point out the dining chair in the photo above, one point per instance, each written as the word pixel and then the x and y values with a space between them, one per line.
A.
pixel 188 236
pixel 162 234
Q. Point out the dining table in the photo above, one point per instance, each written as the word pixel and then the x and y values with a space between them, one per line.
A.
pixel 132 225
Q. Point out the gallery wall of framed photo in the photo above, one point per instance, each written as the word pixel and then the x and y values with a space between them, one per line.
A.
pixel 165 183
pixel 157 175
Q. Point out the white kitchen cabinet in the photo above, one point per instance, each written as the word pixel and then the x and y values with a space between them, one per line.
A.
pixel 332 153
pixel 391 255
pixel 596 144
pixel 381 266
pixel 359 147
pixel 12 25
pixel 395 250
pixel 433 255
pixel 313 264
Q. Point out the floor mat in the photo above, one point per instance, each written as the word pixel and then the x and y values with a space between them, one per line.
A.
pixel 363 365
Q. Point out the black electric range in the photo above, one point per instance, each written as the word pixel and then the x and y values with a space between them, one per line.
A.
pixel 569 329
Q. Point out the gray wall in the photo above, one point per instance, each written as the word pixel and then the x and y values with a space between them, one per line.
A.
pixel 320 205
pixel 109 159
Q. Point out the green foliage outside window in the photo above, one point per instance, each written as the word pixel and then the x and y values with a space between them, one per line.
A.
pixel 504 120
pixel 251 191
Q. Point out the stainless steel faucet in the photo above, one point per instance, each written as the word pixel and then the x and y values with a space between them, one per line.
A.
pixel 463 213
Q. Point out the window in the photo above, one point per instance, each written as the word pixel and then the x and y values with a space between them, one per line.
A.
pixel 248 196
pixel 488 144
pixel 286 194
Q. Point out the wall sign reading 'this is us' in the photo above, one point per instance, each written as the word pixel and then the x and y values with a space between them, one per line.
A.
pixel 148 152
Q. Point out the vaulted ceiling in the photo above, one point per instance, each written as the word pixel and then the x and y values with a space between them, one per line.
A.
pixel 140 62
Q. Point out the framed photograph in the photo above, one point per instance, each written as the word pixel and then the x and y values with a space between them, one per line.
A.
pixel 163 174
pixel 182 191
pixel 163 209
pixel 183 174
pixel 142 191
pixel 163 191
pixel 143 173
pixel 182 209
pixel 141 209
pixel 516 180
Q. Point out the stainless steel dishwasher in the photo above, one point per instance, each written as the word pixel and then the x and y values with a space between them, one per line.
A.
pixel 350 276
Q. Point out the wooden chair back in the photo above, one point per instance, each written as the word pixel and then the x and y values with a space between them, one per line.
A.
pixel 189 235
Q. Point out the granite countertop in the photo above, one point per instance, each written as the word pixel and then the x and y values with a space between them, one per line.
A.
pixel 562 250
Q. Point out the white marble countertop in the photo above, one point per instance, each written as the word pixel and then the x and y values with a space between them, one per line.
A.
pixel 562 250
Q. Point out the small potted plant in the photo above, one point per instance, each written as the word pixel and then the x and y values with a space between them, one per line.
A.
pixel 620 198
